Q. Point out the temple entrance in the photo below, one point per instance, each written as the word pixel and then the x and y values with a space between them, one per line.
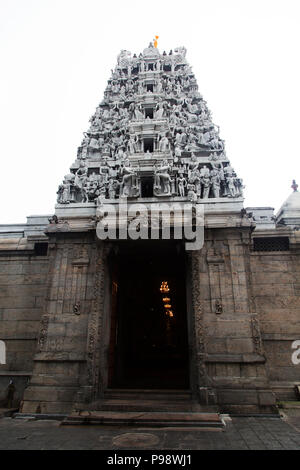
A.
pixel 148 343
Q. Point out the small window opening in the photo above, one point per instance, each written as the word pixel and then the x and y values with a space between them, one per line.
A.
pixel 271 244
pixel 149 87
pixel 148 145
pixel 149 113
pixel 150 66
pixel 41 249
pixel 147 187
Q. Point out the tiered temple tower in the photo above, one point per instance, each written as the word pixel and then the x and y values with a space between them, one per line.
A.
pixel 151 137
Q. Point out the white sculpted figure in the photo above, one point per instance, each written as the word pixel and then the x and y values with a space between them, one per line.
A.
pixel 162 179
pixel 192 195
pixel 206 186
pixel 129 180
pixel 181 184
pixel 163 143
pixel 159 111
pixel 215 182
pixel 132 144
pixel 64 193
pixel 81 175
pixel 138 112
pixel 231 186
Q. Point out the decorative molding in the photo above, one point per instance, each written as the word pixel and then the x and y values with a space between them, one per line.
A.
pixel 95 326
pixel 256 335
pixel 198 320
pixel 43 332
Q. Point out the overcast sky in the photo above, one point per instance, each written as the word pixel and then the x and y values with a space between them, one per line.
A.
pixel 56 57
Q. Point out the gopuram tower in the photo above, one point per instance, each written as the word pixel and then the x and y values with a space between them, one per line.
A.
pixel 153 317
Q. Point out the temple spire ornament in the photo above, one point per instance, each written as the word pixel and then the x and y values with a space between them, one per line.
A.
pixel 151 136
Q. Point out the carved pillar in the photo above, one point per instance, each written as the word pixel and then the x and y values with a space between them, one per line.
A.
pixel 199 376
pixel 95 336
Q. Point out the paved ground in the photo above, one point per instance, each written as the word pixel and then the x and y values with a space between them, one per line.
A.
pixel 239 434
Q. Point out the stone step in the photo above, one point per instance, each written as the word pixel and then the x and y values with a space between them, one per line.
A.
pixel 115 404
pixel 7 412
pixel 142 394
pixel 152 419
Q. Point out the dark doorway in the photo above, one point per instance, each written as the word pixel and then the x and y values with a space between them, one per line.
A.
pixel 148 145
pixel 149 113
pixel 149 346
pixel 147 186
pixel 149 87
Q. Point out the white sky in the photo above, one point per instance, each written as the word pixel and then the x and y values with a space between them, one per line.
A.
pixel 56 57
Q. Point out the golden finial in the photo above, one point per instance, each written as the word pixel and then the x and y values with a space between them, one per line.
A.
pixel 155 40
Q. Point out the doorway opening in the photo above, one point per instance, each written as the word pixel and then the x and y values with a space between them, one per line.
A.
pixel 149 87
pixel 149 340
pixel 147 186
pixel 148 145
pixel 149 113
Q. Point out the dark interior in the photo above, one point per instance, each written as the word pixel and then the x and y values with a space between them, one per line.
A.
pixel 149 113
pixel 147 186
pixel 149 347
pixel 148 145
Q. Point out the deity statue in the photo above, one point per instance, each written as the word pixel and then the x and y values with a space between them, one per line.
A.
pixel 132 144
pixel 112 188
pixel 138 114
pixel 81 176
pixel 129 186
pixel 163 145
pixel 162 179
pixel 159 87
pixel 85 191
pixel 104 170
pixel 231 186
pixel 177 152
pixel 191 193
pixel 206 186
pixel 195 175
pixel 181 185
pixel 215 182
pixel 159 111
pixel 64 193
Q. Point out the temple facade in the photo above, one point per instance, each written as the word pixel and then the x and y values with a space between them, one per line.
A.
pixel 151 279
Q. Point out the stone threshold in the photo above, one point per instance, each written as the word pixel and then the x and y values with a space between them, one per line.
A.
pixel 154 419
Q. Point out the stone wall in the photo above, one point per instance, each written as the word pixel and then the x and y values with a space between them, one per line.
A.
pixel 234 356
pixel 275 281
pixel 22 296
pixel 244 316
